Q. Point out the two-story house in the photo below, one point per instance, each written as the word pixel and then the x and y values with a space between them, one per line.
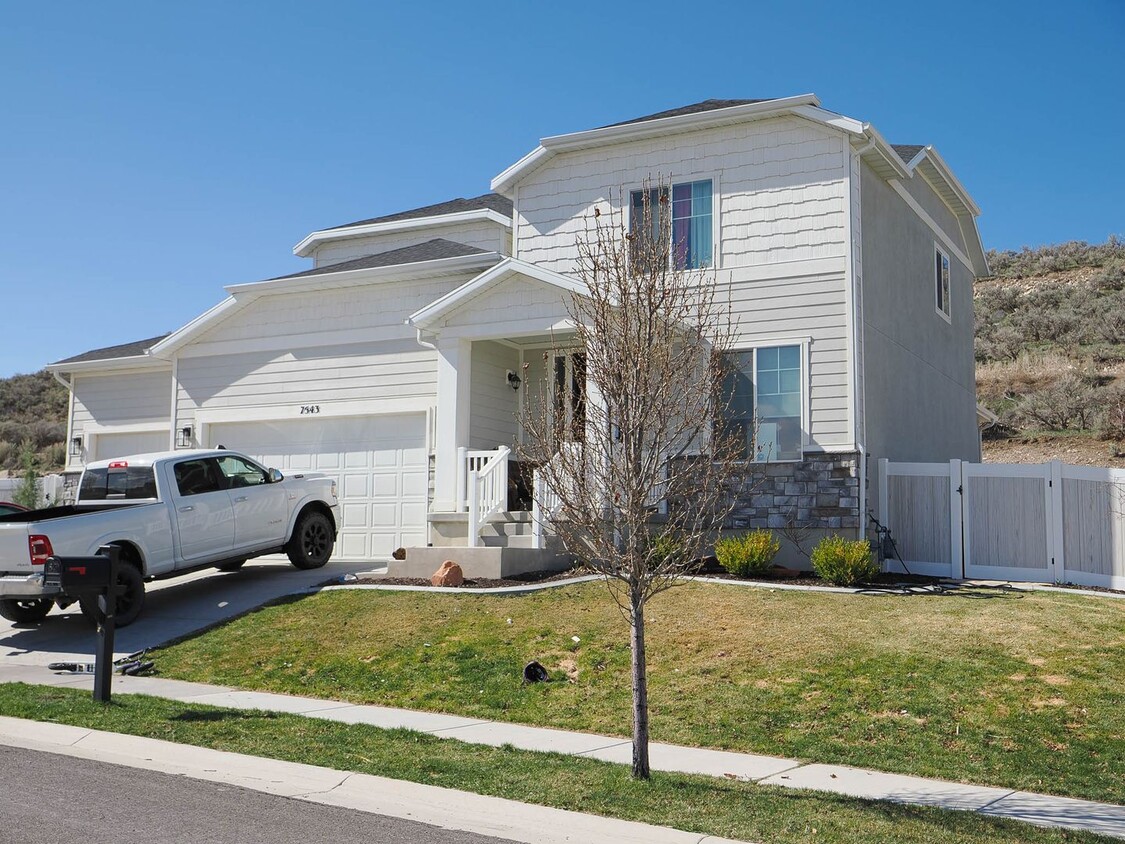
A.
pixel 395 362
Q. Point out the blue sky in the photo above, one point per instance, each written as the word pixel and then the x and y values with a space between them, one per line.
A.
pixel 151 153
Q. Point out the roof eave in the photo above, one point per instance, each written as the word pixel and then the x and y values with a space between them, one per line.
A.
pixel 315 239
pixel 550 146
pixel 145 361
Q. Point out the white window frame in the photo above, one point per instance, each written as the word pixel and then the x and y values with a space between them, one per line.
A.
pixel 716 250
pixel 945 313
pixel 773 343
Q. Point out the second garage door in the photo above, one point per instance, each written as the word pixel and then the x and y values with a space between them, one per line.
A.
pixel 379 462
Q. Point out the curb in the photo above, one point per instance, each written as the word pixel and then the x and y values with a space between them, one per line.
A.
pixel 443 807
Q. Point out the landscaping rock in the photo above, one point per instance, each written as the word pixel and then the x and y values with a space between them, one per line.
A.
pixel 449 574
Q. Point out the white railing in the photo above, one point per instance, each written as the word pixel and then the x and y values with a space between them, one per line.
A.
pixel 486 487
pixel 544 507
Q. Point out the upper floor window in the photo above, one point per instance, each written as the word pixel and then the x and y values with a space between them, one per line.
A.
pixel 679 220
pixel 763 405
pixel 941 282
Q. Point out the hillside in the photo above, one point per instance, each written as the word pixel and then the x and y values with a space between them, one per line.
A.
pixel 1050 350
pixel 33 410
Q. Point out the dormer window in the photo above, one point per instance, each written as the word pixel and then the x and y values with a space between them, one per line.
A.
pixel 680 217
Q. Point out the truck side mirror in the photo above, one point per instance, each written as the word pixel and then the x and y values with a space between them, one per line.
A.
pixel 276 476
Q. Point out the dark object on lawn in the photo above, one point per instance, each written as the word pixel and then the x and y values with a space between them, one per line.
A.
pixel 399 554
pixel 533 672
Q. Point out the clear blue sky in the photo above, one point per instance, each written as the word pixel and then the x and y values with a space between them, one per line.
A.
pixel 151 153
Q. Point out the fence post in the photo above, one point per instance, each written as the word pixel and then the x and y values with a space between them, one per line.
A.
pixel 956 519
pixel 1055 529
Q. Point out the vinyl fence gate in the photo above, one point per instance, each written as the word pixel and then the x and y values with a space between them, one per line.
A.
pixel 1050 522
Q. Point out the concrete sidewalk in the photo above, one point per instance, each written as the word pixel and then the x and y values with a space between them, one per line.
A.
pixel 1040 809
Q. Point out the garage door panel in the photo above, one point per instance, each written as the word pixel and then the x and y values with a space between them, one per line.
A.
pixel 415 484
pixel 380 465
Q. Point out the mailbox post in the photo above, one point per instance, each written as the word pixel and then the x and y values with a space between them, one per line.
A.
pixel 78 577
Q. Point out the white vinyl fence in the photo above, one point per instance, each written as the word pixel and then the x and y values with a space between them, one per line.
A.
pixel 1050 522
pixel 50 489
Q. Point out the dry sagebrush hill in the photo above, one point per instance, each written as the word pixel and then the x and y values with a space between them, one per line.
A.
pixel 1050 350
pixel 32 415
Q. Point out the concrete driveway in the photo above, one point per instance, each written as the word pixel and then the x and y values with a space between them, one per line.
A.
pixel 173 608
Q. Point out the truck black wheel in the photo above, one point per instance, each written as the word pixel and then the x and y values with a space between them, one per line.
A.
pixel 130 600
pixel 312 541
pixel 25 610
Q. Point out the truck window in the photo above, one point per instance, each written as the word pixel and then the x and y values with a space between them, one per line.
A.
pixel 132 482
pixel 195 477
pixel 238 472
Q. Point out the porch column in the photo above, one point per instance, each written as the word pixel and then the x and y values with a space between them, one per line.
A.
pixel 453 376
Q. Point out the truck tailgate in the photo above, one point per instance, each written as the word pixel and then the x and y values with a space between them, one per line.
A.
pixel 14 556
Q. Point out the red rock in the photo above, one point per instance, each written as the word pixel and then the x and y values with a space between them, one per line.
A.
pixel 449 574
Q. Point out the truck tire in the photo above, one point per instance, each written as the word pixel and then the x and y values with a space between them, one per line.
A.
pixel 129 602
pixel 312 541
pixel 25 610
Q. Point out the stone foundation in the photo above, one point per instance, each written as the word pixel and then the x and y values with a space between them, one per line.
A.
pixel 820 492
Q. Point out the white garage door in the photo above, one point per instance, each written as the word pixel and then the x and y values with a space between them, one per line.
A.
pixel 108 446
pixel 379 463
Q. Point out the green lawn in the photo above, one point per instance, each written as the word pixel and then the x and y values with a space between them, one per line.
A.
pixel 701 804
pixel 1022 690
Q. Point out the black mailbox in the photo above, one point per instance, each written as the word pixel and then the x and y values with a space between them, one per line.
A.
pixel 77 576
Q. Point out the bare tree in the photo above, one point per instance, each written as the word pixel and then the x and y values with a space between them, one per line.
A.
pixel 639 477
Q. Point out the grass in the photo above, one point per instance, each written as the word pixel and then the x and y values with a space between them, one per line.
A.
pixel 699 804
pixel 1021 690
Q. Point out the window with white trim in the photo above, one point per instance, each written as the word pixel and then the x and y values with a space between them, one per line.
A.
pixel 682 217
pixel 762 396
pixel 941 282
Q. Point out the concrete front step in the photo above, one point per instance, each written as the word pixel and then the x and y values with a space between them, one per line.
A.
pixel 491 562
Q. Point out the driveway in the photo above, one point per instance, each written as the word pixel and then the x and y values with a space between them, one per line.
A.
pixel 173 608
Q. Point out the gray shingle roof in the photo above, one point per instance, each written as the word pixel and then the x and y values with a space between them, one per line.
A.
pixel 493 201
pixel 431 250
pixel 694 108
pixel 125 350
pixel 907 151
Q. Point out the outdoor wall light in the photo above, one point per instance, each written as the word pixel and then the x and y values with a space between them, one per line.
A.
pixel 76 446
pixel 514 380
pixel 183 437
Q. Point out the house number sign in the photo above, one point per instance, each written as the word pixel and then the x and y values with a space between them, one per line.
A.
pixel 310 408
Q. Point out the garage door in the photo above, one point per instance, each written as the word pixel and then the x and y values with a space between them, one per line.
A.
pixel 379 463
pixel 108 446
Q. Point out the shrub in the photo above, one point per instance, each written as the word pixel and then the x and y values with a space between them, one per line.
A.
pixel 844 562
pixel 749 554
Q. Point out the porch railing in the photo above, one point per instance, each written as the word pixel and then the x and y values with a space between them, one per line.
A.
pixel 486 487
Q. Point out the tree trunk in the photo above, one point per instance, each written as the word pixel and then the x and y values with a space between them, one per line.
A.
pixel 640 692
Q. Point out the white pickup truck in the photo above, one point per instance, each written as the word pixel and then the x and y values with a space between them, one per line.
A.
pixel 169 513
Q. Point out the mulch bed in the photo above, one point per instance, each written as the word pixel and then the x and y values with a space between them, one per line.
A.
pixel 802 578
pixel 480 582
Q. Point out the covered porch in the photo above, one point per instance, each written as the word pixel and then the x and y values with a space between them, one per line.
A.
pixel 506 354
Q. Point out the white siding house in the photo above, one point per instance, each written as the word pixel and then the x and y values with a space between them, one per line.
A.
pixel 399 362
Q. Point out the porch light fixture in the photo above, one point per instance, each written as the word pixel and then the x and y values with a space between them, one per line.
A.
pixel 183 437
pixel 76 446
pixel 514 380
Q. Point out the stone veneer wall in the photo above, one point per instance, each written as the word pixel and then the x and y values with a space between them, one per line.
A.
pixel 821 491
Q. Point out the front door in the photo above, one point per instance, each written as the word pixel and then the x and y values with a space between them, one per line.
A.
pixel 570 397
pixel 261 509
